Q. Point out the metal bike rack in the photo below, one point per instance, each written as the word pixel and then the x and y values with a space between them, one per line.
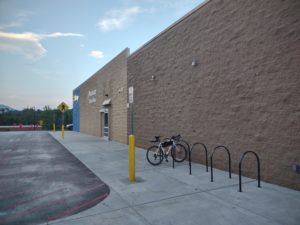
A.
pixel 173 162
pixel 187 145
pixel 211 161
pixel 190 157
pixel 188 148
pixel 240 169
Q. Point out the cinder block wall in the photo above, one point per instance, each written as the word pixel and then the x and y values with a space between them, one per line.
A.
pixel 244 93
pixel 111 80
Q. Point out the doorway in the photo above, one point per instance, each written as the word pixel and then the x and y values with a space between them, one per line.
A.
pixel 105 125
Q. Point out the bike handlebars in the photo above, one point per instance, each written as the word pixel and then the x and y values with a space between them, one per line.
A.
pixel 175 138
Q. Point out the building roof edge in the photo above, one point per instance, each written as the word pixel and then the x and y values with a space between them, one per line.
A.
pixel 126 50
pixel 170 27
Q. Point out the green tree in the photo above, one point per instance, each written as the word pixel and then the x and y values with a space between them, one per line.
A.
pixel 31 116
pixel 46 117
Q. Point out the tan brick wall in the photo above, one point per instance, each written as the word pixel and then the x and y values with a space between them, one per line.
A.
pixel 244 93
pixel 111 80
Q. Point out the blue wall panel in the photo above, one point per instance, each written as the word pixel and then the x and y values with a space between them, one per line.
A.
pixel 76 110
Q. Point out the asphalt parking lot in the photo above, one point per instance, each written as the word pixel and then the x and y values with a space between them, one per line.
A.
pixel 41 181
pixel 160 196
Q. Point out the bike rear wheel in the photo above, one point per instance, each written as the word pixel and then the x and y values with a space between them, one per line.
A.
pixel 154 155
pixel 179 154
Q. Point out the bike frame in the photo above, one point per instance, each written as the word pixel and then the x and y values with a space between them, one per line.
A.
pixel 165 151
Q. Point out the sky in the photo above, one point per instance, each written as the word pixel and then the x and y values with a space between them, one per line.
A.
pixel 49 47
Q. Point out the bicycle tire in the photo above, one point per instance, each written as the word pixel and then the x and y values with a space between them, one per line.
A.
pixel 179 154
pixel 154 155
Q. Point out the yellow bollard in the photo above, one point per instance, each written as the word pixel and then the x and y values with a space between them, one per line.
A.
pixel 62 131
pixel 131 156
pixel 54 127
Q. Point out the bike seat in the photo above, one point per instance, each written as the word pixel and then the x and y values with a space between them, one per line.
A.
pixel 157 137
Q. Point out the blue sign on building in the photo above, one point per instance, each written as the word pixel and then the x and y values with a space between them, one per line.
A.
pixel 76 110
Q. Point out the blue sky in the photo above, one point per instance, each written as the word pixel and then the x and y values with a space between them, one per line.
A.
pixel 49 47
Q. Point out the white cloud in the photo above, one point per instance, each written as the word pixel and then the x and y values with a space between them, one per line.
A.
pixel 18 20
pixel 172 3
pixel 10 25
pixel 176 7
pixel 117 19
pixel 96 54
pixel 58 34
pixel 28 44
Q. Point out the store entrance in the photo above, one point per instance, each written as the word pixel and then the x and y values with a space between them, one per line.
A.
pixel 105 124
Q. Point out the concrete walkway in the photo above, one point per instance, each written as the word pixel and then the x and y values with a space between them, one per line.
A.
pixel 163 195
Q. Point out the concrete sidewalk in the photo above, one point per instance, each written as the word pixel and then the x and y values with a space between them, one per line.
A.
pixel 163 195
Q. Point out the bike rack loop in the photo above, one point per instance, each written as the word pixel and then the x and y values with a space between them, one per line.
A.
pixel 211 161
pixel 240 169
pixel 187 145
pixel 190 157
pixel 173 159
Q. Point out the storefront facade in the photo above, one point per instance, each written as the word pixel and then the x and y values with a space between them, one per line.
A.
pixel 225 74
pixel 103 101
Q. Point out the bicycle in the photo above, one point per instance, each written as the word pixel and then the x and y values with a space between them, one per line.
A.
pixel 156 153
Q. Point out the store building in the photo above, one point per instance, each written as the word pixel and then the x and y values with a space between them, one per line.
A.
pixel 226 74
pixel 100 103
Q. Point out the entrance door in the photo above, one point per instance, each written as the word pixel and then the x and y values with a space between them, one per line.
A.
pixel 105 126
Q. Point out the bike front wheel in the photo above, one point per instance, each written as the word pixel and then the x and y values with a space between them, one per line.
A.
pixel 154 155
pixel 179 154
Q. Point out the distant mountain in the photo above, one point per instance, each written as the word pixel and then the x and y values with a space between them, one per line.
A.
pixel 5 108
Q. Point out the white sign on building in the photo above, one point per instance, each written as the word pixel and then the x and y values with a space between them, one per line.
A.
pixel 130 95
pixel 75 98
pixel 92 96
